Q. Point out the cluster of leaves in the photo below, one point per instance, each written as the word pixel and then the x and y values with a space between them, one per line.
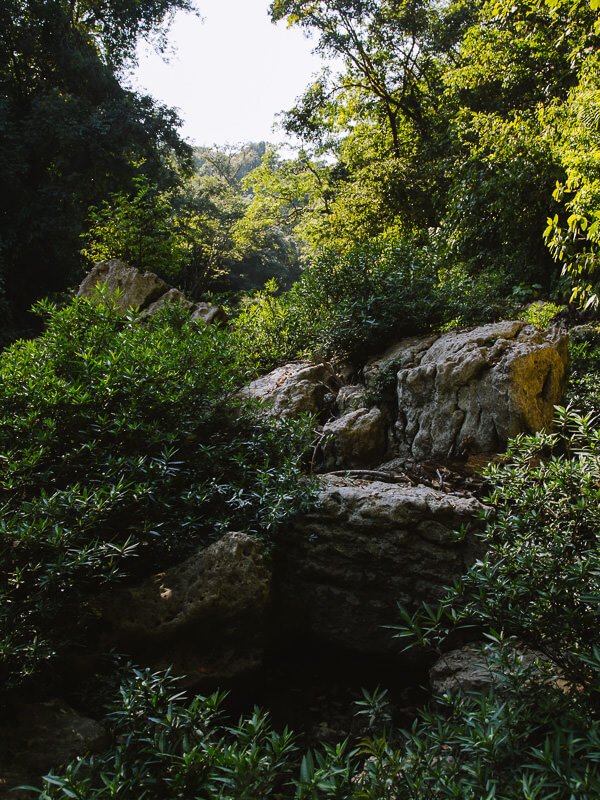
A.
pixel 352 306
pixel 584 384
pixel 122 446
pixel 474 122
pixel 196 235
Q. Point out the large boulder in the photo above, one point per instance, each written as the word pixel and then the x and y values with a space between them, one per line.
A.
pixel 293 389
pixel 341 569
pixel 144 291
pixel 468 392
pixel 206 615
pixel 357 439
pixel 38 737
pixel 134 289
pixel 170 296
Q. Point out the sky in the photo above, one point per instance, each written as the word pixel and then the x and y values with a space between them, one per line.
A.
pixel 230 73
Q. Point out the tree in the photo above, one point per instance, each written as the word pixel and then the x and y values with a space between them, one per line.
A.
pixel 69 133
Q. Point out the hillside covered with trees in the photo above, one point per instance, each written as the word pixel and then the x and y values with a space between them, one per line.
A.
pixel 223 446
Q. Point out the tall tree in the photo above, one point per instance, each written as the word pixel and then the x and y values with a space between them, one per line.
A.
pixel 69 132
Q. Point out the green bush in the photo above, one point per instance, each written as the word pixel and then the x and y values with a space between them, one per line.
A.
pixel 344 306
pixel 584 384
pixel 165 747
pixel 123 447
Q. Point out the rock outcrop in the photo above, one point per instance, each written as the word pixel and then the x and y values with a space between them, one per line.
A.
pixel 366 547
pixel 133 289
pixel 38 737
pixel 469 392
pixel 357 439
pixel 293 389
pixel 144 291
pixel 208 612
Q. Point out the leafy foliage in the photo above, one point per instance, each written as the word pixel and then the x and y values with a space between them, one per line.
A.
pixel 123 446
pixel 69 132
pixel 350 306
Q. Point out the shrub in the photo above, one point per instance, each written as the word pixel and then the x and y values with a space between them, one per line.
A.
pixel 584 384
pixel 344 306
pixel 541 314
pixel 123 447
pixel 165 747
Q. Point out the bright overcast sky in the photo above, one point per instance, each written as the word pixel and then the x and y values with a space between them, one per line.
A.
pixel 231 72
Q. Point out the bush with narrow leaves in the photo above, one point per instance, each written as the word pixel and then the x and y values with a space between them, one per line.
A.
pixel 123 446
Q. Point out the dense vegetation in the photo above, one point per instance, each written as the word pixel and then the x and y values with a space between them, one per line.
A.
pixel 123 447
pixel 449 174
pixel 533 734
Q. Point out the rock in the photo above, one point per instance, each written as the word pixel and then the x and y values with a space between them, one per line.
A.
pixel 465 670
pixel 341 569
pixel 38 737
pixel 468 392
pixel 469 670
pixel 384 368
pixel 357 439
pixel 209 314
pixel 351 398
pixel 219 584
pixel 136 289
pixel 171 296
pixel 293 389
pixel 205 616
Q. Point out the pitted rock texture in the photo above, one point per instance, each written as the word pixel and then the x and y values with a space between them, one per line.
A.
pixel 469 669
pixel 293 389
pixel 225 582
pixel 357 439
pixel 136 289
pixel 351 398
pixel 382 368
pixel 342 569
pixel 206 617
pixel 469 392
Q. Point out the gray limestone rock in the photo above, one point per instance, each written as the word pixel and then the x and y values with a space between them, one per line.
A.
pixel 38 737
pixel 135 289
pixel 367 546
pixel 293 389
pixel 468 392
pixel 357 439
pixel 227 580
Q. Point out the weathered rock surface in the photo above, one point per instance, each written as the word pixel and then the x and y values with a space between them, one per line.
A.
pixel 357 439
pixel 369 545
pixel 136 289
pixel 465 670
pixel 468 392
pixel 293 389
pixel 205 616
pixel 223 582
pixel 351 398
pixel 209 314
pixel 170 296
pixel 469 670
pixel 385 366
pixel 37 737
pixel 144 291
